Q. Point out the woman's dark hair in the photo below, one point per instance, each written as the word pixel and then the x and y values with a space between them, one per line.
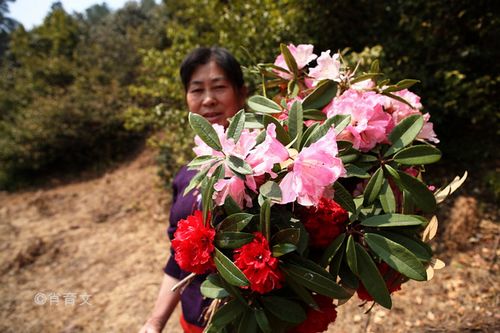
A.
pixel 203 55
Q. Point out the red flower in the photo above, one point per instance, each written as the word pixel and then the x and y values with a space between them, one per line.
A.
pixel 392 279
pixel 259 266
pixel 193 244
pixel 324 222
pixel 318 321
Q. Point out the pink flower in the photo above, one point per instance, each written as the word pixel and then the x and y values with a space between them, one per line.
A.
pixel 363 85
pixel 201 148
pixel 427 131
pixel 235 187
pixel 230 184
pixel 369 123
pixel 315 168
pixel 400 111
pixel 240 149
pixel 303 54
pixel 328 67
pixel 263 157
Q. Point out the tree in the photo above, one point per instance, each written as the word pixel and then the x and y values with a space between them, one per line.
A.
pixel 7 25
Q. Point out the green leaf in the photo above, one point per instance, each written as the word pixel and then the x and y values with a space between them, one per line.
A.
pixel 345 146
pixel 367 158
pixel 337 261
pixel 321 96
pixel 208 190
pixel 407 83
pixel 421 195
pixel 281 249
pixel 254 121
pixel 271 190
pixel 331 250
pixel 375 66
pixel 396 97
pixel 351 255
pixel 338 122
pixel 200 161
pixel 195 181
pixel 227 314
pixel 364 77
pixel 234 291
pixel 348 158
pixel 238 166
pixel 347 277
pixel 236 127
pixel 262 320
pixel 281 134
pixel 292 88
pixel 372 279
pixel 228 270
pixel 289 60
pixel 343 197
pixel 421 250
pixel 295 123
pixel 315 281
pixel 265 218
pixel 404 133
pixel 263 105
pixel 387 199
pixel 205 131
pixel 235 222
pixel 230 206
pixel 312 114
pixel 392 220
pixel 415 155
pixel 373 187
pixel 396 256
pixel 284 309
pixel 248 323
pixel 289 235
pixel 211 288
pixel 302 292
pixel 408 203
pixel 307 134
pixel 355 171
pixel 232 239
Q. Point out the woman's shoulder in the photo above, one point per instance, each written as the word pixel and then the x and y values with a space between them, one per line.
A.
pixel 183 177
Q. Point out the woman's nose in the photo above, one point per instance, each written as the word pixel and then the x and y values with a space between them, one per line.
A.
pixel 209 99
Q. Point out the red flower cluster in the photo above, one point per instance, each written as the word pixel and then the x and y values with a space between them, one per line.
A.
pixel 392 279
pixel 193 244
pixel 318 321
pixel 324 222
pixel 258 264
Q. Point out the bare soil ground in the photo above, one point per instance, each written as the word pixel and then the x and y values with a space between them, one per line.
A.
pixel 87 256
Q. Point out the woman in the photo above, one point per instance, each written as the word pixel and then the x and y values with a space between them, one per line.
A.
pixel 214 88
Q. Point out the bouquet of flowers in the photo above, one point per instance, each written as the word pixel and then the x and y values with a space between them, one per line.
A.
pixel 312 196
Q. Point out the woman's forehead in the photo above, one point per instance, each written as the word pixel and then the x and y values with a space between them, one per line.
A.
pixel 208 73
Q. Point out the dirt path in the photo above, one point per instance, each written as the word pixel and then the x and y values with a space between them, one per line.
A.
pixel 103 242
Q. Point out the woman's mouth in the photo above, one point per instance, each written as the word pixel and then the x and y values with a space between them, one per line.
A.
pixel 212 117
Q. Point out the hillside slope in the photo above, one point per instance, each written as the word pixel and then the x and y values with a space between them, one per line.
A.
pixel 102 241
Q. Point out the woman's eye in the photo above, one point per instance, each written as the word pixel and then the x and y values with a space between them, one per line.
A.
pixel 196 91
pixel 220 87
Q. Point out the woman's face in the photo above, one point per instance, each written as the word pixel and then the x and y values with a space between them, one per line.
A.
pixel 211 94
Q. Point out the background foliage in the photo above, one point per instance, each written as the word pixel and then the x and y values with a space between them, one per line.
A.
pixel 87 87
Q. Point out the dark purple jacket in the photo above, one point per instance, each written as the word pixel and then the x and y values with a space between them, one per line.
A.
pixel 193 303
